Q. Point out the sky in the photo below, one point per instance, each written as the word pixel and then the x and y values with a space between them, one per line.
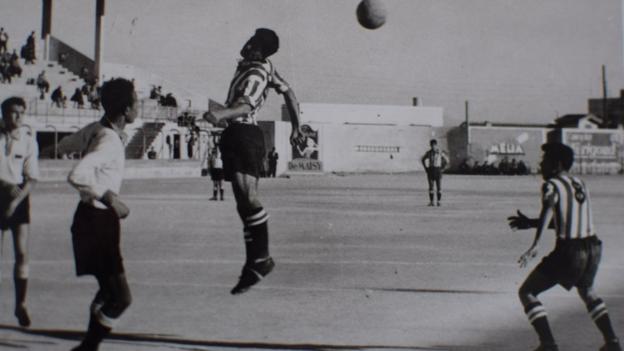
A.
pixel 521 61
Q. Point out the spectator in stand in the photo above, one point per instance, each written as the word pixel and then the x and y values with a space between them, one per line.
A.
pixel 77 99
pixel 4 39
pixel 151 154
pixel 93 95
pixel 503 166
pixel 58 98
pixel 29 49
pixel 168 101
pixel 42 84
pixel 62 58
pixel 513 167
pixel 523 169
pixel 155 93
pixel 13 56
pixel 14 67
pixel 5 77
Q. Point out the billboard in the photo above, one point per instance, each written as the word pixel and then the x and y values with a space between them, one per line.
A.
pixel 595 151
pixel 492 144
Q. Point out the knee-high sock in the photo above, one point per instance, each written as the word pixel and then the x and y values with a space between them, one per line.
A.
pixel 96 332
pixel 256 235
pixel 21 286
pixel 539 320
pixel 599 314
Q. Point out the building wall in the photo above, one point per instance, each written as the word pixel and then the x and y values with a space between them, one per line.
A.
pixel 491 144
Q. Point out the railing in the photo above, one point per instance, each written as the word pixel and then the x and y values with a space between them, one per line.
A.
pixel 45 112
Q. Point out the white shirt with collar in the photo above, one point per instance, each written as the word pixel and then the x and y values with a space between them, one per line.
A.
pixel 102 166
pixel 19 155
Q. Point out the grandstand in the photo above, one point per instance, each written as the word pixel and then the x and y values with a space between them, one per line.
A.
pixel 157 127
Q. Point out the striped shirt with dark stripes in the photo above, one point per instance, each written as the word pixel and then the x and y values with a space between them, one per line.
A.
pixel 569 198
pixel 251 84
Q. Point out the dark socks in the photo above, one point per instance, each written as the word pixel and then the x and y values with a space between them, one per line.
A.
pixel 599 314
pixel 537 317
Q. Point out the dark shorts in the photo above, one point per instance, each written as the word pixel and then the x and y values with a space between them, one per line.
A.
pixel 573 263
pixel 20 216
pixel 242 150
pixel 434 173
pixel 95 238
pixel 216 174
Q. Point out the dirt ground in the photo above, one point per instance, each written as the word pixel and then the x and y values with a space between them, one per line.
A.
pixel 362 263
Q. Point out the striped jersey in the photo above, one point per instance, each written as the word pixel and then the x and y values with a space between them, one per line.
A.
pixel 251 84
pixel 437 159
pixel 569 198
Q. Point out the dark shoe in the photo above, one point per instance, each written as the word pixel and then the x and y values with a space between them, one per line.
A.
pixel 252 274
pixel 213 199
pixel 613 345
pixel 431 204
pixel 22 316
pixel 84 347
pixel 547 347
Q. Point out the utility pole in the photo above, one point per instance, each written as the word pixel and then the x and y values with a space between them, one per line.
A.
pixel 605 111
pixel 99 40
pixel 46 27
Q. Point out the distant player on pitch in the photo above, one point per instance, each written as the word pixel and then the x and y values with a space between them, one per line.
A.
pixel 96 228
pixel 434 162
pixel 19 170
pixel 575 259
pixel 242 146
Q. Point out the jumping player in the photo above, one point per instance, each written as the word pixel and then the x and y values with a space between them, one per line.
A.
pixel 434 162
pixel 575 259
pixel 243 149
pixel 19 170
pixel 96 227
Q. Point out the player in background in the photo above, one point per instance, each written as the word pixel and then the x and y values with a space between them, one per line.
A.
pixel 96 225
pixel 575 259
pixel 434 162
pixel 19 170
pixel 243 148
pixel 216 174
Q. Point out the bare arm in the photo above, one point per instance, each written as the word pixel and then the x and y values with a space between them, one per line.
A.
pixel 545 217
pixel 296 137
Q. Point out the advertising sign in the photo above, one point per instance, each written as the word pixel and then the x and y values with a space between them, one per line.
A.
pixel 595 151
pixel 305 156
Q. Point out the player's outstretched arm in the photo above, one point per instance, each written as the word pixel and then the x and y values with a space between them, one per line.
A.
pixel 521 221
pixel 296 137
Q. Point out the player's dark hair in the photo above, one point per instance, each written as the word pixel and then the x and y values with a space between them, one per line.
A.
pixel 433 142
pixel 117 96
pixel 559 152
pixel 268 39
pixel 14 100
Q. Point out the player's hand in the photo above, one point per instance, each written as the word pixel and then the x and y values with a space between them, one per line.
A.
pixel 10 210
pixel 111 200
pixel 211 118
pixel 520 221
pixel 15 191
pixel 296 137
pixel 527 256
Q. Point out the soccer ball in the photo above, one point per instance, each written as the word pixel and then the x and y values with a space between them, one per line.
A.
pixel 371 14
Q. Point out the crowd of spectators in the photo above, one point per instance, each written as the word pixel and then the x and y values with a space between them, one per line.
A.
pixel 163 100
pixel 504 167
